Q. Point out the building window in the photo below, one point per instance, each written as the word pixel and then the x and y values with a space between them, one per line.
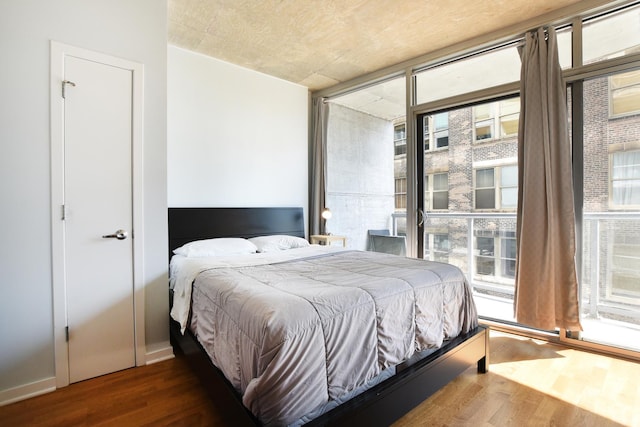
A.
pixel 483 119
pixel 625 270
pixel 436 191
pixel 625 179
pixel 495 255
pixel 624 93
pixel 485 258
pixel 509 187
pixel 508 257
pixel 437 247
pixel 400 139
pixel 498 119
pixel 436 131
pixel 496 188
pixel 401 193
pixel 485 189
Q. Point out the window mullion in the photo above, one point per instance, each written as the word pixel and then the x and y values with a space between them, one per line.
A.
pixel 577 146
pixel 498 183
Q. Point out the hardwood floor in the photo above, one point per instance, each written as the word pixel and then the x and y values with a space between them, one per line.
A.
pixel 163 394
pixel 536 383
pixel 530 382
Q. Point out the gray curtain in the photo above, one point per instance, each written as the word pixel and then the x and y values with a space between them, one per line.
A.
pixel 546 281
pixel 318 164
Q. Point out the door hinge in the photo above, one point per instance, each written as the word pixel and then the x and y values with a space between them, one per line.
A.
pixel 66 333
pixel 64 86
pixel 63 211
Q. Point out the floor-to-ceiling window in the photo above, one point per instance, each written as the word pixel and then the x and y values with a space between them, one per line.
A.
pixel 482 171
pixel 610 279
pixel 455 163
pixel 610 270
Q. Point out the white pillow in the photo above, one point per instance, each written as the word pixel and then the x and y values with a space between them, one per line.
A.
pixel 278 242
pixel 216 247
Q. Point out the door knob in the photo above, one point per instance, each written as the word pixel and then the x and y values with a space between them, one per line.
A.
pixel 119 234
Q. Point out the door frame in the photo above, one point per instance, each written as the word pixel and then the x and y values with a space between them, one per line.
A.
pixel 58 52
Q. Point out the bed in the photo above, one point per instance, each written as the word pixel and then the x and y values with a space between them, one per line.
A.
pixel 328 375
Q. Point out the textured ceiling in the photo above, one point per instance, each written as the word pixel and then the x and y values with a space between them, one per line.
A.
pixel 319 43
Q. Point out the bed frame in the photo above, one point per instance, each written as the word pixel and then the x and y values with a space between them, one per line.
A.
pixel 378 406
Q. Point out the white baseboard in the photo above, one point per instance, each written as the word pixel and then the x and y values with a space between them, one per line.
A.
pixel 155 356
pixel 27 391
pixel 48 385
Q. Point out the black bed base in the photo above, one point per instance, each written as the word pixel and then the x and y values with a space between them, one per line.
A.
pixel 378 406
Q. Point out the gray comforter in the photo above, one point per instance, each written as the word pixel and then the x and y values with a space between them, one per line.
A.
pixel 292 336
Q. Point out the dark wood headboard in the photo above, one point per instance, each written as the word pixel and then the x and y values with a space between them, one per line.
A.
pixel 189 224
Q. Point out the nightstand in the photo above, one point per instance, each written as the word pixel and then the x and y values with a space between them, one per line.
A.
pixel 327 239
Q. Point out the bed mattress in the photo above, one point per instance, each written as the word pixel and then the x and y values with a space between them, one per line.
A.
pixel 294 332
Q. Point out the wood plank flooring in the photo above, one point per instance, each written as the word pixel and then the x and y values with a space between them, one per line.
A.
pixel 530 383
pixel 163 394
pixel 536 383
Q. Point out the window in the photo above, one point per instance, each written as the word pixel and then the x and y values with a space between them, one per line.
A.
pixel 508 257
pixel 485 256
pixel 400 139
pixel 497 119
pixel 497 188
pixel 625 178
pixel 436 191
pixel 610 267
pixel 495 255
pixel 625 273
pixel 624 93
pixel 467 112
pixel 509 187
pixel 484 123
pixel 437 247
pixel 485 189
pixel 508 116
pixel 607 35
pixel 401 193
pixel 436 131
pixel 498 66
pixel 441 135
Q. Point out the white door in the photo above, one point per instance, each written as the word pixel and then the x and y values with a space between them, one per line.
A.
pixel 98 245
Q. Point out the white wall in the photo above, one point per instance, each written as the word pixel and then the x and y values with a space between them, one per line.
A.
pixel 133 30
pixel 236 137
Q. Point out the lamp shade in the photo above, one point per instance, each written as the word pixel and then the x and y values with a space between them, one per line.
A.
pixel 326 213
